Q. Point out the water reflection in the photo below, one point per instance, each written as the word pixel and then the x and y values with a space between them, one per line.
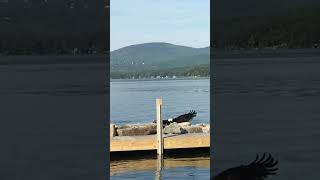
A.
pixel 161 168
pixel 160 163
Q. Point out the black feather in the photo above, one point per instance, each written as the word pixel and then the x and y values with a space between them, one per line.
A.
pixel 185 117
pixel 259 169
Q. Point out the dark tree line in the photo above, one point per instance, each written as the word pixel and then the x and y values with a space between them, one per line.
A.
pixel 297 28
pixel 53 27
pixel 198 70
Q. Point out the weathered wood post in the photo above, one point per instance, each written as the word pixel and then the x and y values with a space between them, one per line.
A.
pixel 159 127
pixel 160 164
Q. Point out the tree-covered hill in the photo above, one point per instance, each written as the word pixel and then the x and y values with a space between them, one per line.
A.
pixel 153 54
pixel 154 58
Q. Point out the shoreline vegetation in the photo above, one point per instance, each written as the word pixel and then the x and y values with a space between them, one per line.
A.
pixel 52 59
pixel 50 52
pixel 162 78
pixel 294 28
pixel 265 53
pixel 170 73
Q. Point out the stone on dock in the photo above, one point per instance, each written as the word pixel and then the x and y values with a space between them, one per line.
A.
pixel 194 129
pixel 198 128
pixel 206 128
pixel 174 128
pixel 184 124
pixel 137 129
pixel 151 128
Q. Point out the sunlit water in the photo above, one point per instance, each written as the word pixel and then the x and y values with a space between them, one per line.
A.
pixel 134 101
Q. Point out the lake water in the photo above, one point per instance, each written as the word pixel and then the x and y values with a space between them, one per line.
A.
pixel 134 101
pixel 268 105
pixel 172 169
pixel 52 120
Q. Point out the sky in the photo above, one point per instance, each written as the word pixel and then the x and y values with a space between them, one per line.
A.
pixel 180 22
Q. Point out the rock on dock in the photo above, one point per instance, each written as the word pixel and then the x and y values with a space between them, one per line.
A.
pixel 151 128
pixel 137 129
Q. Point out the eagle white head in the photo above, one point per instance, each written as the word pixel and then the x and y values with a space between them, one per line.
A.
pixel 170 119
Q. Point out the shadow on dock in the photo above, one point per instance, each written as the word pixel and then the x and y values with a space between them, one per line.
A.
pixel 168 153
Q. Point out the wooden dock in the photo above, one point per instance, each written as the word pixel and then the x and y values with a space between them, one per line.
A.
pixel 160 141
pixel 149 142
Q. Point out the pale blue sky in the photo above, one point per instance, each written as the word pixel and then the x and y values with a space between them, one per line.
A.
pixel 181 22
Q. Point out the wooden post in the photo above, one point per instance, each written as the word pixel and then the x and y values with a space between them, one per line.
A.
pixel 159 127
pixel 160 164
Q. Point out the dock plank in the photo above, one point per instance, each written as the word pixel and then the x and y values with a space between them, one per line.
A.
pixel 149 142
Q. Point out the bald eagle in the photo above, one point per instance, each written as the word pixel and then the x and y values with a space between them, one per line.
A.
pixel 182 118
pixel 259 169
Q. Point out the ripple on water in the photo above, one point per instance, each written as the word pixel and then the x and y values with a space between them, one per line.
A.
pixel 180 168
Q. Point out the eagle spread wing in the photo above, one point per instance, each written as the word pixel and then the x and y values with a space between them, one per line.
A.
pixel 185 117
pixel 259 169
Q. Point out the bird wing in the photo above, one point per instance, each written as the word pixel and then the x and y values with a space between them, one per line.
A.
pixel 259 169
pixel 185 117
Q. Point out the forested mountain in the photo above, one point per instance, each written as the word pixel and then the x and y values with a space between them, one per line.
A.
pixel 152 59
pixel 157 55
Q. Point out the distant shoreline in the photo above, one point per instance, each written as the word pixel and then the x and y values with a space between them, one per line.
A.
pixel 265 53
pixel 160 79
pixel 52 59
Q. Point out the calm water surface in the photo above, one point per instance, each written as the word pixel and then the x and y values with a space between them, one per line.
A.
pixel 52 118
pixel 134 101
pixel 173 168
pixel 268 105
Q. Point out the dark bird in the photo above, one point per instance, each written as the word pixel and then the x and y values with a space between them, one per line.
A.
pixel 182 118
pixel 259 169
pixel 185 117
